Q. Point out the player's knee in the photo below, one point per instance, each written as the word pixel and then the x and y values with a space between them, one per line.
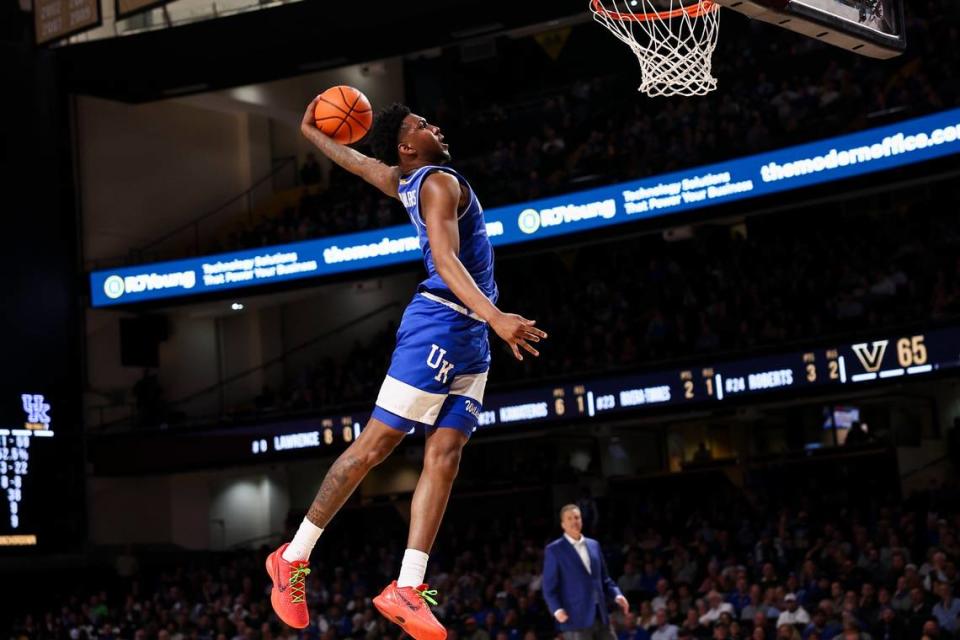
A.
pixel 378 452
pixel 366 454
pixel 443 460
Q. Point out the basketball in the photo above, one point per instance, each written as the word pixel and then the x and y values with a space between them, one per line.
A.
pixel 344 114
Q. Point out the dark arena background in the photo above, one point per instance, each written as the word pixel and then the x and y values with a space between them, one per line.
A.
pixel 751 385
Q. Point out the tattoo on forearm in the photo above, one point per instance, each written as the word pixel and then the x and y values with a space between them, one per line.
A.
pixel 348 158
pixel 338 485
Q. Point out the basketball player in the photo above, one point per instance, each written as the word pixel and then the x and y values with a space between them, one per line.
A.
pixel 439 367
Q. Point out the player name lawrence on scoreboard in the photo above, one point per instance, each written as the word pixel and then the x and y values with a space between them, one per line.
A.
pixel 297 441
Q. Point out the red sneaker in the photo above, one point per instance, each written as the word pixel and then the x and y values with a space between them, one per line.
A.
pixel 288 595
pixel 408 608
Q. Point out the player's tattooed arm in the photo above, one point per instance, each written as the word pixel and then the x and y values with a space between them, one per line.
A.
pixel 439 198
pixel 383 177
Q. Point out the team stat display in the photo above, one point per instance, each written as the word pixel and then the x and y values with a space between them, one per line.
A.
pixel 26 434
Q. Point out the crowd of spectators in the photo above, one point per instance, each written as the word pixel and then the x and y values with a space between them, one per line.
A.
pixel 590 128
pixel 720 567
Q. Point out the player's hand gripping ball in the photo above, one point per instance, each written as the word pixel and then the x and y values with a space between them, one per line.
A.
pixel 343 113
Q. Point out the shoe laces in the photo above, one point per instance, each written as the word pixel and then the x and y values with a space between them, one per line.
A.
pixel 426 594
pixel 298 587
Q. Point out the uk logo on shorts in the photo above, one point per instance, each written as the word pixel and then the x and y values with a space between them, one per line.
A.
pixel 435 361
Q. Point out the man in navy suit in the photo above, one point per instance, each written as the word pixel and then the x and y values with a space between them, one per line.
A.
pixel 576 584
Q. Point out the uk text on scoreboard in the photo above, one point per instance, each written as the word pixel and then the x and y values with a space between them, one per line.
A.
pixel 846 156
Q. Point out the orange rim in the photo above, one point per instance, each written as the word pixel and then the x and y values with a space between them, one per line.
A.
pixel 693 11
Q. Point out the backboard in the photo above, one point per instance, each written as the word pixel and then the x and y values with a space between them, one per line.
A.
pixel 873 28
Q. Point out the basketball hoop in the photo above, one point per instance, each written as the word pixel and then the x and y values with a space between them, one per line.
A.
pixel 673 40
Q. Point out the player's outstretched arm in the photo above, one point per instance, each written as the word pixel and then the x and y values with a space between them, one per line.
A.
pixel 439 196
pixel 385 178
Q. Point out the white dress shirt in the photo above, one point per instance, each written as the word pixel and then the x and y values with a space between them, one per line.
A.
pixel 580 546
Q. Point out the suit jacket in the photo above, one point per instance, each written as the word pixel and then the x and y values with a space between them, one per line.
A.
pixel 567 585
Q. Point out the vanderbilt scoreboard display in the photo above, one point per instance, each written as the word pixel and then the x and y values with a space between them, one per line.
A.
pixel 830 368
pixel 838 366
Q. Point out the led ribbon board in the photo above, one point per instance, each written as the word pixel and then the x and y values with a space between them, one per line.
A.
pixel 830 368
pixel 845 156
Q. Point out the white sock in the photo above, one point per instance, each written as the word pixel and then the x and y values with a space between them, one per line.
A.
pixel 413 568
pixel 302 543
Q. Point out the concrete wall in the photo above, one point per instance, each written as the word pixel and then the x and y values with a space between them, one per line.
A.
pixel 221 509
pixel 145 169
pixel 204 510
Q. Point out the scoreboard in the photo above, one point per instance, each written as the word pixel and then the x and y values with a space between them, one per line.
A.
pixel 25 455
pixel 832 367
pixel 829 368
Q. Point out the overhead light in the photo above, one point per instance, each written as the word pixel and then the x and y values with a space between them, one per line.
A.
pixel 237 306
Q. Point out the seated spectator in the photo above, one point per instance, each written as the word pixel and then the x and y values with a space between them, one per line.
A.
pixel 762 622
pixel 788 632
pixel 741 597
pixel 820 626
pixel 692 625
pixel 716 606
pixel 646 618
pixel 931 631
pixel 794 613
pixel 947 609
pixel 662 629
pixel 918 613
pixel 900 598
pixel 631 629
pixel 472 632
pixel 851 631
pixel 755 604
pixel 663 595
pixel 760 632
pixel 890 626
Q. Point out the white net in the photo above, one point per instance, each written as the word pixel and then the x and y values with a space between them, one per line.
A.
pixel 672 39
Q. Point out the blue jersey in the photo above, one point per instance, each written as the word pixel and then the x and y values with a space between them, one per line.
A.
pixel 476 252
